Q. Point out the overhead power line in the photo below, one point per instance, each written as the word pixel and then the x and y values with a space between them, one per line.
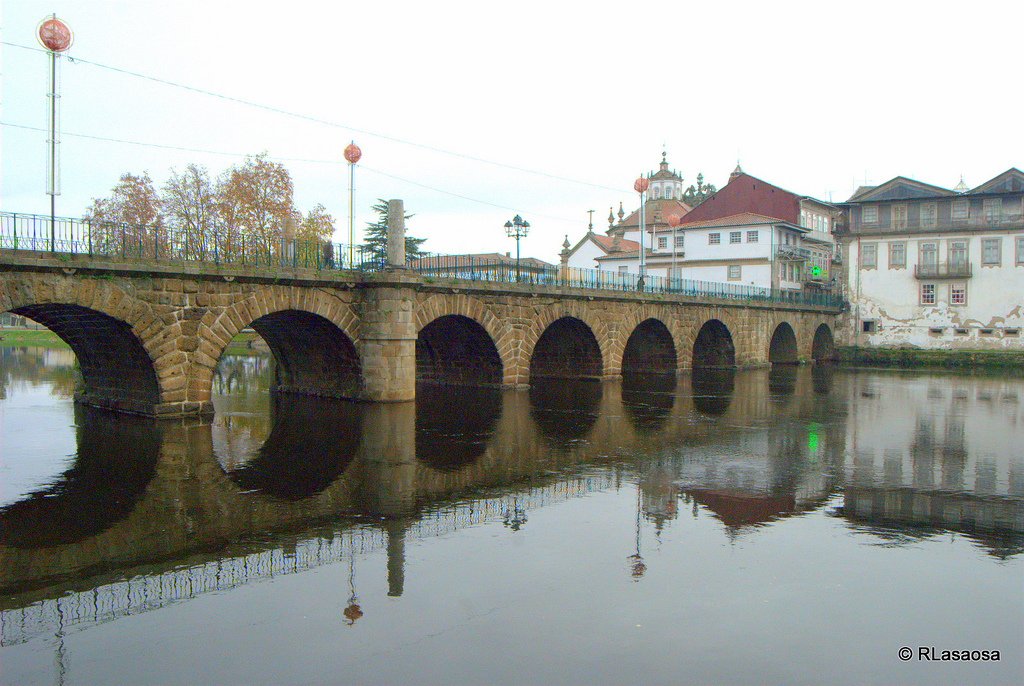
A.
pixel 294 159
pixel 325 122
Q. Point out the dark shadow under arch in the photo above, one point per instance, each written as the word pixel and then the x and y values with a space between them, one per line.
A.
pixel 117 372
pixel 313 356
pixel 783 347
pixel 649 350
pixel 824 346
pixel 713 346
pixel 566 350
pixel 454 349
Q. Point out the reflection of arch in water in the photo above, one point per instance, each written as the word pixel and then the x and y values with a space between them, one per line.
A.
pixel 824 346
pixel 783 349
pixel 454 349
pixel 648 399
pixel 117 456
pixel 713 346
pixel 782 380
pixel 649 350
pixel 822 376
pixel 565 410
pixel 454 423
pixel 311 442
pixel 713 390
pixel 567 349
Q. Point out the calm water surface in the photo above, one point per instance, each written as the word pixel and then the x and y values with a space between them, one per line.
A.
pixel 794 525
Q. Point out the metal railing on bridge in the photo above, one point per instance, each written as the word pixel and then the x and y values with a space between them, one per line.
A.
pixel 472 268
pixel 38 233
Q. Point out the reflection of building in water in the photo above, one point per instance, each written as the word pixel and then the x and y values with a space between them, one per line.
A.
pixel 748 478
pixel 944 452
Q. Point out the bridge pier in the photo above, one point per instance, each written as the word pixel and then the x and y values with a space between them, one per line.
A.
pixel 388 343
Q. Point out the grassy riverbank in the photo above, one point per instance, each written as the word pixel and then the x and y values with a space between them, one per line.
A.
pixel 914 358
pixel 245 343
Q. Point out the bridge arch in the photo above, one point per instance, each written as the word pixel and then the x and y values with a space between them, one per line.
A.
pixel 313 356
pixel 454 349
pixel 485 324
pixel 650 349
pixel 713 346
pixel 783 348
pixel 824 345
pixel 568 349
pixel 117 371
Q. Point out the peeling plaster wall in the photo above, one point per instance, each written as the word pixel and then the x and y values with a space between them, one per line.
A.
pixel 891 298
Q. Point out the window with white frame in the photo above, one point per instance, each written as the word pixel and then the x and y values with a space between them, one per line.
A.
pixel 927 294
pixel 735 237
pixel 959 210
pixel 957 294
pixel 662 242
pixel 991 252
pixel 992 209
pixel 929 213
pixel 680 240
pixel 929 254
pixel 1020 249
pixel 897 256
pixel 958 252
pixel 734 272
pixel 623 269
pixel 751 236
pixel 714 238
pixel 869 256
pixel 657 192
pixel 869 214
pixel 899 216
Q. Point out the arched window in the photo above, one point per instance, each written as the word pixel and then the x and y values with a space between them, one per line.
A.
pixel 657 192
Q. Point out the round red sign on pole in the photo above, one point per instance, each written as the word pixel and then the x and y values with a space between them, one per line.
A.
pixel 55 35
pixel 641 185
pixel 352 153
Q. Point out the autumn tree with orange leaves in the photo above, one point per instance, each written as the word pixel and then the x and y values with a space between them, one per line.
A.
pixel 245 210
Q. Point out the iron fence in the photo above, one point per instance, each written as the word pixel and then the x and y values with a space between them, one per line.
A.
pixel 468 267
pixel 39 233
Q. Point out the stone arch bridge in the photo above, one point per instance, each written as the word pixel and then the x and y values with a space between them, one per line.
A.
pixel 148 335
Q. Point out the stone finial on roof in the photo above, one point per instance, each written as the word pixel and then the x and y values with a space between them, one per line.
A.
pixel 961 187
pixel 622 212
pixel 616 247
pixel 611 219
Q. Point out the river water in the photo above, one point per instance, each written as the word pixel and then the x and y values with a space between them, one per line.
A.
pixel 795 525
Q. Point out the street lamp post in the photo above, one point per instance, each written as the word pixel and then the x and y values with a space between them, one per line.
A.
pixel 517 228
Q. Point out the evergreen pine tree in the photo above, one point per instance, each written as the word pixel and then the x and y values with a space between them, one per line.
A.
pixel 375 249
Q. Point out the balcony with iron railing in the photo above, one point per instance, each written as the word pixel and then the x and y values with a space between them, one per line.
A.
pixel 792 252
pixel 943 270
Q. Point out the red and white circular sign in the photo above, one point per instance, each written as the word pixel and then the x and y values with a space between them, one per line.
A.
pixel 55 35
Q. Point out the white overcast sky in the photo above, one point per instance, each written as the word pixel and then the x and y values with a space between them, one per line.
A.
pixel 472 112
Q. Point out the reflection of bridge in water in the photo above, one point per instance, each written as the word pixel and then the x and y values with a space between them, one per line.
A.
pixel 127 594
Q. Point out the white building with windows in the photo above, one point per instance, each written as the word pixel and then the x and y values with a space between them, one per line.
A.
pixel 930 267
pixel 747 249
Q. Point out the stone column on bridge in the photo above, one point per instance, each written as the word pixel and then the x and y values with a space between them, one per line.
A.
pixel 396 234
